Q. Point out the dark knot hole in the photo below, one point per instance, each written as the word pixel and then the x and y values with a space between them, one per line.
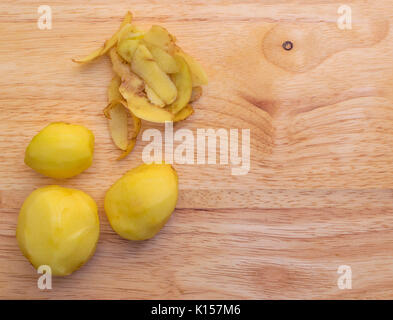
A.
pixel 287 45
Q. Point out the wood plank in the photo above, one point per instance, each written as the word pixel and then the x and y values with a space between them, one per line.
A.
pixel 319 191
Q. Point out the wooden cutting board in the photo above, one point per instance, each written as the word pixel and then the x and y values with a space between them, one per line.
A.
pixel 319 193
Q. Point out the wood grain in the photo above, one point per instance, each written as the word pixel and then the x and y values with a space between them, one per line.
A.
pixel 320 189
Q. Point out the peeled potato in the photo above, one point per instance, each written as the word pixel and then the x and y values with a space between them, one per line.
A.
pixel 164 60
pixel 61 150
pixel 107 45
pixel 144 66
pixel 198 75
pixel 183 83
pixel 58 227
pixel 183 114
pixel 160 37
pixel 140 203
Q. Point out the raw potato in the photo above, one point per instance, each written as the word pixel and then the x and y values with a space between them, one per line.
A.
pixel 144 66
pixel 61 150
pixel 126 49
pixel 183 114
pixel 160 37
pixel 153 98
pixel 58 227
pixel 183 83
pixel 108 44
pixel 140 203
pixel 164 60
pixel 199 77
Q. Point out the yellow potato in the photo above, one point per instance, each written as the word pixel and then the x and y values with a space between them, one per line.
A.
pixel 164 60
pixel 107 45
pixel 58 227
pixel 183 83
pixel 153 98
pixel 183 114
pixel 199 76
pixel 140 106
pixel 126 49
pixel 160 37
pixel 140 203
pixel 144 66
pixel 61 150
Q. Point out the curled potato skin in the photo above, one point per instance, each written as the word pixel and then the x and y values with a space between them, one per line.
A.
pixel 117 113
pixel 107 45
pixel 183 83
pixel 184 113
pixel 140 203
pixel 156 80
pixel 58 227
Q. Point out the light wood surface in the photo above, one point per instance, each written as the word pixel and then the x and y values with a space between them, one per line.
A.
pixel 320 190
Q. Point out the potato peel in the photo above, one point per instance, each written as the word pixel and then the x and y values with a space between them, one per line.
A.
pixel 107 45
pixel 117 113
pixel 164 60
pixel 113 89
pixel 153 98
pixel 139 105
pixel 126 48
pixel 184 113
pixel 183 83
pixel 160 37
pixel 155 80
pixel 118 124
pixel 132 142
pixel 144 65
pixel 129 32
pixel 199 77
